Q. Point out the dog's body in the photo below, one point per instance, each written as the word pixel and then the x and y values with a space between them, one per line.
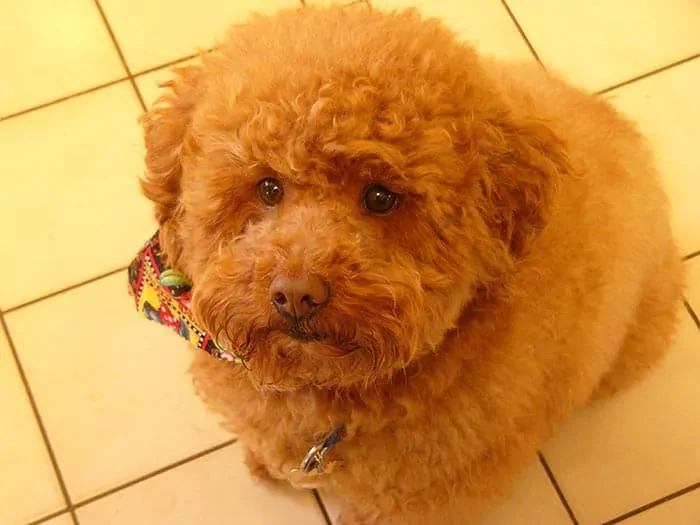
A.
pixel 528 269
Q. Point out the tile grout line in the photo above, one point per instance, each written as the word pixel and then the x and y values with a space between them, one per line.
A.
pixel 98 87
pixel 155 473
pixel 648 74
pixel 136 481
pixel 166 64
pixel 557 488
pixel 692 313
pixel 504 3
pixel 40 423
pixel 70 288
pixel 62 99
pixel 643 508
pixel 48 517
pixel 322 506
pixel 122 58
pixel 691 256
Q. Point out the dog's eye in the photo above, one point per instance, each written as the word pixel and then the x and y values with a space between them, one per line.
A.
pixel 378 200
pixel 270 192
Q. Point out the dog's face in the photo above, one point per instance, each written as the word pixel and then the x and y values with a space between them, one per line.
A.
pixel 339 197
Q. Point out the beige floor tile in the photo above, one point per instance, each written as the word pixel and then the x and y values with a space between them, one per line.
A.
pixel 684 510
pixel 148 83
pixel 70 206
pixel 692 292
pixel 533 502
pixel 28 485
pixel 485 24
pixel 638 447
pixel 153 32
pixel 600 43
pixel 669 117
pixel 212 490
pixel 112 387
pixel 52 49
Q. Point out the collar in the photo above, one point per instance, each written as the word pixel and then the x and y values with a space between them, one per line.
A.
pixel 163 294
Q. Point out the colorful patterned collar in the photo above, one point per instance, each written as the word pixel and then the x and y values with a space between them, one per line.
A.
pixel 163 295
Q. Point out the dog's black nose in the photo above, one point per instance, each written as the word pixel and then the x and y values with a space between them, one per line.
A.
pixel 298 297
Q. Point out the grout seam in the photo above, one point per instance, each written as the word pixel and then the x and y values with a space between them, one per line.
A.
pixel 655 503
pixel 48 517
pixel 154 473
pixel 557 488
pixel 62 99
pixel 322 506
pixel 521 31
pixel 65 290
pixel 691 256
pixel 166 64
pixel 87 91
pixel 122 58
pixel 40 423
pixel 648 74
pixel 692 313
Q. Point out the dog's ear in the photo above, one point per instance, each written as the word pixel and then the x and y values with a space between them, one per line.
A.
pixel 165 127
pixel 523 162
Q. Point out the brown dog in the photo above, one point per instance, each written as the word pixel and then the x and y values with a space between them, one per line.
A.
pixel 436 256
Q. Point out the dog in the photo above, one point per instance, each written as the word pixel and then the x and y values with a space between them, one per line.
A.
pixel 426 260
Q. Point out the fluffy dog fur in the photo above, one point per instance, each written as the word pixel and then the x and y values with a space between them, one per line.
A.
pixel 528 269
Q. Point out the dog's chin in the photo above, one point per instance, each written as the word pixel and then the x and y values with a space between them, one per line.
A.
pixel 318 344
pixel 303 336
pixel 292 359
pixel 282 356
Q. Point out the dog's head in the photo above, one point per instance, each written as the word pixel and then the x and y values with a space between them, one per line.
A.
pixel 339 185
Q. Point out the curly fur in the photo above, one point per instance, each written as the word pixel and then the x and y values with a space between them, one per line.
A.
pixel 528 268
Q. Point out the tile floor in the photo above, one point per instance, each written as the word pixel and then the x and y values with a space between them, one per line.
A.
pixel 98 421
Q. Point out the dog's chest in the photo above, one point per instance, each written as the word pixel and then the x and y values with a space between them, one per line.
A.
pixel 296 439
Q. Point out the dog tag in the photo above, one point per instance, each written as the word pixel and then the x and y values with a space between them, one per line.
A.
pixel 315 459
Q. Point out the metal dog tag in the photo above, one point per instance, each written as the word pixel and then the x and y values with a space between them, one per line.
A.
pixel 315 459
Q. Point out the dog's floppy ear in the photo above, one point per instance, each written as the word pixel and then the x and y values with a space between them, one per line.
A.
pixel 165 127
pixel 524 162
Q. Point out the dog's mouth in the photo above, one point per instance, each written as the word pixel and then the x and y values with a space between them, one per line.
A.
pixel 319 343
pixel 302 331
